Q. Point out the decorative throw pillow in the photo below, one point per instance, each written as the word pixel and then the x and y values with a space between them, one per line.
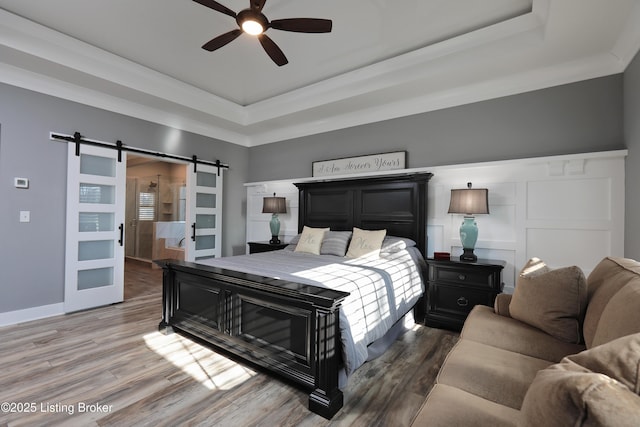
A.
pixel 596 387
pixel 311 240
pixel 335 243
pixel 365 243
pixel 551 300
pixel 618 359
pixel 566 394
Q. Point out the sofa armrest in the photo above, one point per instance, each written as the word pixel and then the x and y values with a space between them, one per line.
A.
pixel 501 305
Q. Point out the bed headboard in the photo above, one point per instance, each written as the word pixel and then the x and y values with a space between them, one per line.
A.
pixel 397 203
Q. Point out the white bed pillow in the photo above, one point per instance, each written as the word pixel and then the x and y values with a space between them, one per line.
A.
pixel 311 240
pixel 293 243
pixel 365 243
pixel 392 244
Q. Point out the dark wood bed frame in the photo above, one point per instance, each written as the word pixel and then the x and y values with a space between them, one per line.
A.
pixel 289 328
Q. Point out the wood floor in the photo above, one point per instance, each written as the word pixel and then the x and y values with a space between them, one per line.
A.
pixel 110 366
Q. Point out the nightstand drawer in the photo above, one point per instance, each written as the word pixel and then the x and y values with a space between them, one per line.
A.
pixel 483 278
pixel 456 300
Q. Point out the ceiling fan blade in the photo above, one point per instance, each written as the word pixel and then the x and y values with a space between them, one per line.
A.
pixel 302 25
pixel 273 50
pixel 217 6
pixel 222 40
pixel 257 5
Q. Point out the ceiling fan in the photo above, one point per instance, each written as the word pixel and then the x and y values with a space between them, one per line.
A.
pixel 252 21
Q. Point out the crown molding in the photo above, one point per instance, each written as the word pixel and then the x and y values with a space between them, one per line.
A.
pixel 626 47
pixel 60 89
pixel 566 73
pixel 385 74
pixel 38 41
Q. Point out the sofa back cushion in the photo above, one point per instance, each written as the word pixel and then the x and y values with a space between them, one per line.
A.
pixel 606 280
pixel 621 315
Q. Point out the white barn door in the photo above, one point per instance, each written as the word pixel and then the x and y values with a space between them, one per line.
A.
pixel 96 186
pixel 204 213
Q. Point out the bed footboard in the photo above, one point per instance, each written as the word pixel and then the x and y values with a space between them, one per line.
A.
pixel 288 328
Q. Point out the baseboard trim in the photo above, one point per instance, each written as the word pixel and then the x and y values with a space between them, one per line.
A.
pixel 28 314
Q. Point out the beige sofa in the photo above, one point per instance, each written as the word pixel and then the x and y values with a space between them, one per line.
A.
pixel 562 350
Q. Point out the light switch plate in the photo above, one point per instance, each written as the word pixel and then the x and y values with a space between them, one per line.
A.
pixel 25 216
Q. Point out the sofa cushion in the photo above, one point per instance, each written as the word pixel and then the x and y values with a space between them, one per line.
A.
pixel 567 396
pixel 606 279
pixel 485 326
pixel 598 387
pixel 498 375
pixel 451 407
pixel 621 315
pixel 618 359
pixel 551 300
pixel 501 304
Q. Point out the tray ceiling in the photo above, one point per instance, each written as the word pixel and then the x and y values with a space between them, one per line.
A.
pixel 383 59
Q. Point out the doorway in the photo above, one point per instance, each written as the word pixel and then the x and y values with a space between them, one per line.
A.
pixel 155 214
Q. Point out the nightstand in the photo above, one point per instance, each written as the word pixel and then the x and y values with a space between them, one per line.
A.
pixel 455 287
pixel 256 247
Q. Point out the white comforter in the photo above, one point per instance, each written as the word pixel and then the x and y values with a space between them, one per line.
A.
pixel 382 290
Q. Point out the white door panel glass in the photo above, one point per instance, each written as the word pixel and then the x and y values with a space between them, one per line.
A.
pixel 96 221
pixel 94 270
pixel 204 213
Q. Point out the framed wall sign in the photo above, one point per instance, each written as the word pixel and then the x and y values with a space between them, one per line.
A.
pixel 361 164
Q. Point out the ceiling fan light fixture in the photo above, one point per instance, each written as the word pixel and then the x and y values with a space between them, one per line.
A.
pixel 253 22
pixel 252 27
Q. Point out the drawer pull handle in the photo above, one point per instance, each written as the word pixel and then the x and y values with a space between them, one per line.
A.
pixel 461 277
pixel 462 302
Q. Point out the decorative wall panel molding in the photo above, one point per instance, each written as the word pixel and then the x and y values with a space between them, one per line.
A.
pixel 567 210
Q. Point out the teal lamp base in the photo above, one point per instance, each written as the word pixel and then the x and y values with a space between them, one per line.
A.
pixel 468 237
pixel 274 225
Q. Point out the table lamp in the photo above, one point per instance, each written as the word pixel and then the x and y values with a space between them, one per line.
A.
pixel 274 205
pixel 469 201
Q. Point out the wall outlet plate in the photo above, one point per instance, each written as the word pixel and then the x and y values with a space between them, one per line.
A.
pixel 21 182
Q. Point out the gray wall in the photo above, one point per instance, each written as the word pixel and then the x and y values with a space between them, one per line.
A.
pixel 580 117
pixel 32 255
pixel 632 139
